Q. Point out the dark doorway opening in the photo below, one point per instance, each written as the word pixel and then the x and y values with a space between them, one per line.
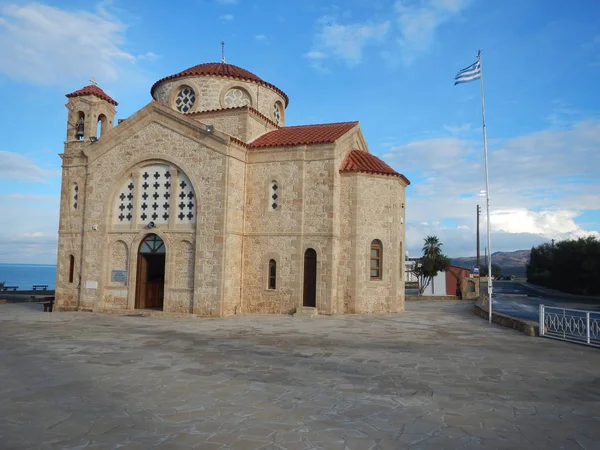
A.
pixel 150 286
pixel 310 278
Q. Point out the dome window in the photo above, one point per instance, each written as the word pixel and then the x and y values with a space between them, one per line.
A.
pixel 277 113
pixel 237 97
pixel 185 99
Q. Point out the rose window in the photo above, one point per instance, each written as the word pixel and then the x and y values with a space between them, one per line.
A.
pixel 236 97
pixel 185 99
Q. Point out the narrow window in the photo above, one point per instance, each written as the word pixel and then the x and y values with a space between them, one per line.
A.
pixel 376 259
pixel 75 195
pixel 71 267
pixel 272 274
pixel 274 199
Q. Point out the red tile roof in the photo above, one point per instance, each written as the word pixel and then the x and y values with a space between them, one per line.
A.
pixel 364 162
pixel 221 70
pixel 303 135
pixel 92 89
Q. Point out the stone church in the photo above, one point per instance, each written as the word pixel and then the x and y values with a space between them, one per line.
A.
pixel 204 202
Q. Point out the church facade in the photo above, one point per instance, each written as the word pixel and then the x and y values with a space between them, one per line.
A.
pixel 204 202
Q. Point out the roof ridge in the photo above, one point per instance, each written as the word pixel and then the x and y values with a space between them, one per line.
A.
pixel 364 162
pixel 321 124
pixel 92 89
pixel 221 69
pixel 303 135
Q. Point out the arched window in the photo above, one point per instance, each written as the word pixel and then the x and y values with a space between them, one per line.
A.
pixel 277 113
pixel 274 195
pixel 272 274
pixel 75 195
pixel 80 126
pixel 237 97
pixel 71 267
pixel 101 126
pixel 376 259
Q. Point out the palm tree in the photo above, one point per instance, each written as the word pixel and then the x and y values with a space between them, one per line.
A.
pixel 434 259
pixel 432 247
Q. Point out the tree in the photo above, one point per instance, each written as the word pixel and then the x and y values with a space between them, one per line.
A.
pixel 570 266
pixel 496 271
pixel 431 263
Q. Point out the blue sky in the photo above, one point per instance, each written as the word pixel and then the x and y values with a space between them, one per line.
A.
pixel 388 64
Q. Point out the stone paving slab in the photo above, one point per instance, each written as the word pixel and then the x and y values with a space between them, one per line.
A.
pixel 433 377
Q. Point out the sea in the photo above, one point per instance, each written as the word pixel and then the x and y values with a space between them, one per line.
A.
pixel 26 275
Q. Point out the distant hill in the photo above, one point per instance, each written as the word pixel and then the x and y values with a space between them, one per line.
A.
pixel 512 263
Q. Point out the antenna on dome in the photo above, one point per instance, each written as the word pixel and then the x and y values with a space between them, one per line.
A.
pixel 223 52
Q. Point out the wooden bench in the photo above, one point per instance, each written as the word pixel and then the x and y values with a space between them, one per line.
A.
pixel 10 288
pixel 48 304
pixel 40 287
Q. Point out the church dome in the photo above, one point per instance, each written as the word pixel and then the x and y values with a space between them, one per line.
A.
pixel 220 70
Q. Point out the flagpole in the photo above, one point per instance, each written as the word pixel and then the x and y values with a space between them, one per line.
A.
pixel 487 190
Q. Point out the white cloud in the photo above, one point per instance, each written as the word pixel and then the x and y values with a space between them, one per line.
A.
pixel 226 17
pixel 18 167
pixel 34 198
pixel 459 129
pixel 413 29
pixel 148 56
pixel 539 184
pixel 345 42
pixel 260 37
pixel 44 45
pixel 550 224
pixel 29 234
pixel 418 22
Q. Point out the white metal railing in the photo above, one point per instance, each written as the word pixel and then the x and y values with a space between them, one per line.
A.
pixel 573 325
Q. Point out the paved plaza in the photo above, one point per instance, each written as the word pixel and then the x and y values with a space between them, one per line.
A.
pixel 434 377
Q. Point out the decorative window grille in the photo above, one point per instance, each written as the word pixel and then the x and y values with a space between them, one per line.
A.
pixel 272 274
pixel 376 259
pixel 276 113
pixel 159 187
pixel 155 194
pixel 75 195
pixel 185 99
pixel 237 97
pixel 186 207
pixel 124 203
pixel 152 244
pixel 274 196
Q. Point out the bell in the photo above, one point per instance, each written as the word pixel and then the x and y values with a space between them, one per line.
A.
pixel 79 132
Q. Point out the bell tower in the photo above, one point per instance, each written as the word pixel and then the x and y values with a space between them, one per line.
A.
pixel 91 113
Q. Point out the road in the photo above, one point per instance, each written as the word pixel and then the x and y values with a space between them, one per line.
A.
pixel 519 300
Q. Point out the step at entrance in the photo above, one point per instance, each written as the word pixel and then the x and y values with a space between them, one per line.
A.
pixel 306 311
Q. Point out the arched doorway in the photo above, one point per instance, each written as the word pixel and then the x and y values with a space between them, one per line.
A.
pixel 310 278
pixel 150 287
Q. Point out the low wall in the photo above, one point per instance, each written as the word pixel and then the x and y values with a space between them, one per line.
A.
pixel 526 326
pixel 413 298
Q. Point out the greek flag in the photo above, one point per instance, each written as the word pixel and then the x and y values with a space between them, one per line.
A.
pixel 471 73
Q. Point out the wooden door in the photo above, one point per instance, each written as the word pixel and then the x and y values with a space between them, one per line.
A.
pixel 150 278
pixel 142 282
pixel 310 278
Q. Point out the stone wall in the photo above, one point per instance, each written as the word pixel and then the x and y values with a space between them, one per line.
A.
pixel 144 139
pixel 210 92
pixel 378 215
